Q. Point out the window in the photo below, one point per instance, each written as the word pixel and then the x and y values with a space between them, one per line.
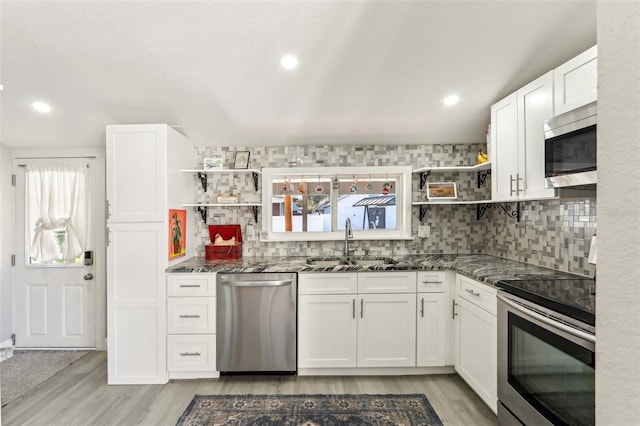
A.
pixel 304 204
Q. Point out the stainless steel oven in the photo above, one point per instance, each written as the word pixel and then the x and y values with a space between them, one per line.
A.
pixel 546 365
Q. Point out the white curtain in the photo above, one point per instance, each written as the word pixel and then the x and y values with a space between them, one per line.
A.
pixel 57 201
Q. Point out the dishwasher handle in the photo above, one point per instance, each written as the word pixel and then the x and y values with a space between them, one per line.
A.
pixel 276 283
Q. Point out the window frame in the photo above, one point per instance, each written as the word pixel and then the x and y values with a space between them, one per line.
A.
pixel 402 174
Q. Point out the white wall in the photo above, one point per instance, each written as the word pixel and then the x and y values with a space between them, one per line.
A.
pixel 618 290
pixel 7 239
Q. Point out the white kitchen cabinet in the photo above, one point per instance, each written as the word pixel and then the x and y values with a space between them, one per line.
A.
pixel 432 326
pixel 476 338
pixel 191 326
pixel 373 328
pixel 576 81
pixel 144 181
pixel 517 142
pixel 387 330
pixel 327 330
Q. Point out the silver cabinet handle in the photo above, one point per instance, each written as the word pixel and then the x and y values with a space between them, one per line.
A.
pixel 361 308
pixel 422 307
pixel 108 213
pixel 518 179
pixel 453 309
pixel 353 312
pixel 190 316
pixel 190 354
pixel 511 179
pixel 189 285
pixel 432 282
pixel 473 293
pixel 108 236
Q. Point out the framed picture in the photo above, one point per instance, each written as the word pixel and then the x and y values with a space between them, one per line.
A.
pixel 241 160
pixel 177 233
pixel 441 191
pixel 213 163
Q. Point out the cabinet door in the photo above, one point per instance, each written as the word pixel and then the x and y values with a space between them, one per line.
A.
pixel 136 173
pixel 327 331
pixel 136 304
pixel 431 329
pixel 576 81
pixel 387 330
pixel 535 105
pixel 476 350
pixel 504 148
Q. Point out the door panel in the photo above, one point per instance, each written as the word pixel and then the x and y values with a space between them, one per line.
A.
pixel 54 306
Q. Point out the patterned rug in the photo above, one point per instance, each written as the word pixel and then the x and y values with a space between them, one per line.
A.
pixel 309 410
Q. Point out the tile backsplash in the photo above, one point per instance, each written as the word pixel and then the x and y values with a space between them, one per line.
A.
pixel 553 234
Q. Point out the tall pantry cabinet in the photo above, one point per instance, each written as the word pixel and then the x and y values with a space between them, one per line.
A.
pixel 144 181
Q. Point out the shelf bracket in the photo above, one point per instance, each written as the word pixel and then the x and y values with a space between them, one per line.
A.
pixel 423 178
pixel 482 177
pixel 510 211
pixel 203 180
pixel 423 211
pixel 203 210
pixel 255 213
pixel 255 180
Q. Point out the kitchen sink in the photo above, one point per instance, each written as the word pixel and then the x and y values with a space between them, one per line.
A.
pixel 357 261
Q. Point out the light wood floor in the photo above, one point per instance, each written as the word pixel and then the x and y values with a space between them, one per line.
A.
pixel 79 395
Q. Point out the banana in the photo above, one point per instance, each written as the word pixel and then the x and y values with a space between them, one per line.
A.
pixel 482 157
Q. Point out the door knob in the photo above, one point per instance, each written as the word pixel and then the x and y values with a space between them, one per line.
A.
pixel 88 277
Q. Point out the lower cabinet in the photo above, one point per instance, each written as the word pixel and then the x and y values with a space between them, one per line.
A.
pixel 191 326
pixel 476 338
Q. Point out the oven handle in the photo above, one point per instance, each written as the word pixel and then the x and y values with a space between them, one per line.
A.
pixel 551 323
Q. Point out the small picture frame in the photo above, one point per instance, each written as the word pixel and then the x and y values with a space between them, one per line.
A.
pixel 437 191
pixel 241 160
pixel 213 163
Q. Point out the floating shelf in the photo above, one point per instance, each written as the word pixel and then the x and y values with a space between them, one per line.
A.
pixel 474 168
pixel 202 174
pixel 433 203
pixel 203 208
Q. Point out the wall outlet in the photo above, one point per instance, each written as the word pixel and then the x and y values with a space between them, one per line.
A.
pixel 424 231
pixel 251 232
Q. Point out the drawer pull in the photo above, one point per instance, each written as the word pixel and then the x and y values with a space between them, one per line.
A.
pixel 190 316
pixel 453 309
pixel 190 354
pixel 189 285
pixel 432 282
pixel 422 307
pixel 471 292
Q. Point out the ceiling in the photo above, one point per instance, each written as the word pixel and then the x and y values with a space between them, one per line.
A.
pixel 369 73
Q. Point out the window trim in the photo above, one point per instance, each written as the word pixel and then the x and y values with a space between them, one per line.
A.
pixel 403 174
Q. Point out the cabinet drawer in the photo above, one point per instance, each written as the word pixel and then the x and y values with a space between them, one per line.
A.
pixel 387 282
pixel 432 282
pixel 477 293
pixel 191 285
pixel 329 283
pixel 191 315
pixel 191 353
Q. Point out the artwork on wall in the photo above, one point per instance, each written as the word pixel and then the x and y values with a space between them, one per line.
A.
pixel 213 163
pixel 241 160
pixel 441 191
pixel 177 233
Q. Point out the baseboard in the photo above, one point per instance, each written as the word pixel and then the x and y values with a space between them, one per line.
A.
pixel 6 350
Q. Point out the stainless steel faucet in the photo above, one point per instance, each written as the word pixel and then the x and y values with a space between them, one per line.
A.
pixel 348 235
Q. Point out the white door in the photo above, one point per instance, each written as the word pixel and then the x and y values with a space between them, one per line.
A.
pixel 54 301
pixel 387 330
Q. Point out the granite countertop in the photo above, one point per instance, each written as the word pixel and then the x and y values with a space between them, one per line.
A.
pixel 481 267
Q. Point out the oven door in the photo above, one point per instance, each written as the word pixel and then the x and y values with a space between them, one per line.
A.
pixel 546 369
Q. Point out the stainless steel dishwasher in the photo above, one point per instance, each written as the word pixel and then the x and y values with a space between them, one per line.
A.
pixel 256 322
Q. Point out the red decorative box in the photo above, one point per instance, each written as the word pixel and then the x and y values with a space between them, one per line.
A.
pixel 216 252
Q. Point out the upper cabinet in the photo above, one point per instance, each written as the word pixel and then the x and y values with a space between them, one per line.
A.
pixel 517 142
pixel 576 81
pixel 517 127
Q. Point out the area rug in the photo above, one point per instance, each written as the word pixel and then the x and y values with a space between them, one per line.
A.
pixel 309 410
pixel 27 369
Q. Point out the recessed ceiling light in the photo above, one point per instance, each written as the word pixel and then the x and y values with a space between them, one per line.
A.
pixel 451 100
pixel 41 107
pixel 289 62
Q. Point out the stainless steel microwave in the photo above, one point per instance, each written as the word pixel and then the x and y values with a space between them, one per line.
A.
pixel 570 148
